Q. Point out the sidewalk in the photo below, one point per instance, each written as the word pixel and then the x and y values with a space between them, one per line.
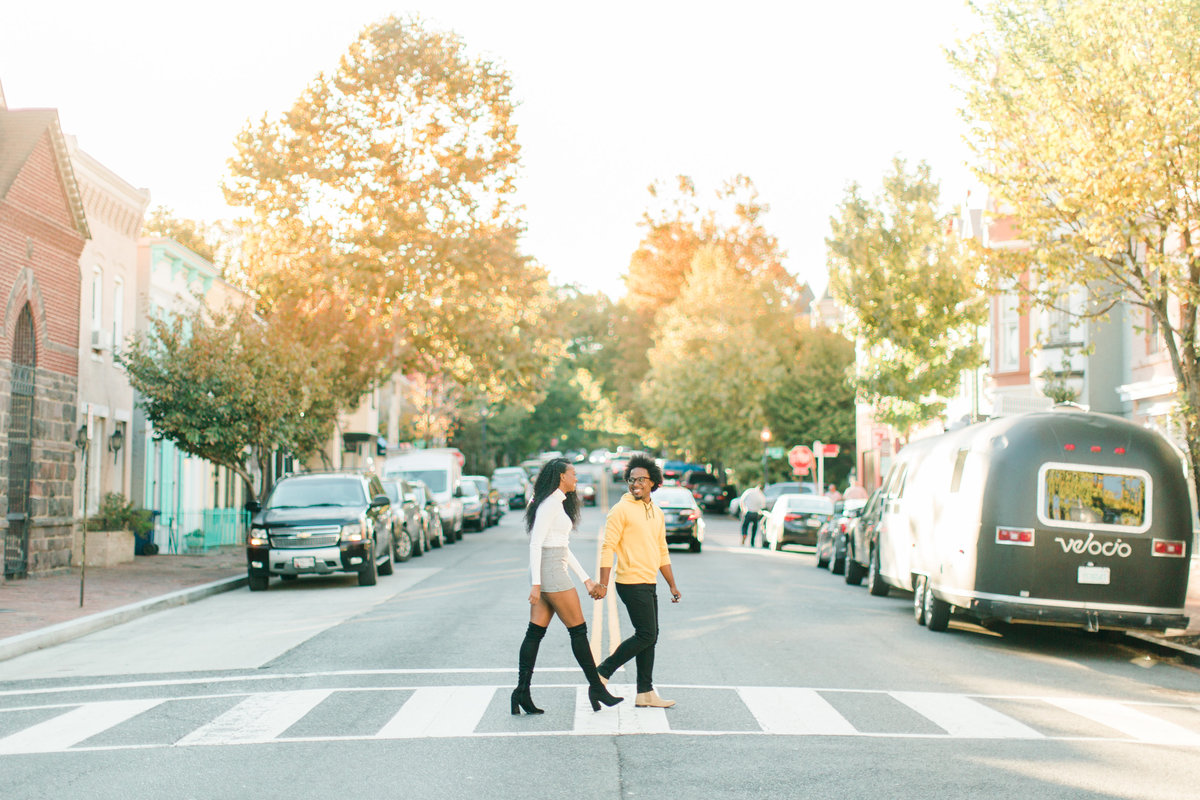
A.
pixel 41 612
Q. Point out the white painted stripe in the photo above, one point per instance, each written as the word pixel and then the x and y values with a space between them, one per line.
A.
pixel 1138 724
pixel 74 726
pixel 963 717
pixel 439 711
pixel 622 719
pixel 788 710
pixel 258 718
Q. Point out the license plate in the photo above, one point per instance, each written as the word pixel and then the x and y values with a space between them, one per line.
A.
pixel 1096 575
pixel 308 562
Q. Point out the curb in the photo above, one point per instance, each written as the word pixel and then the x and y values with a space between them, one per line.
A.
pixel 72 629
pixel 1165 647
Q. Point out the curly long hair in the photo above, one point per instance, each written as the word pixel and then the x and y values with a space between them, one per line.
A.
pixel 647 463
pixel 544 484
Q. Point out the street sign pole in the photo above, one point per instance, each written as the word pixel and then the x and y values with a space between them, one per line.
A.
pixel 819 452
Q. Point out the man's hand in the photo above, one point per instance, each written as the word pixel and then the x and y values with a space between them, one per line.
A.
pixel 676 595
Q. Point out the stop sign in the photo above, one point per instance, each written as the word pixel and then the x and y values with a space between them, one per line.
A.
pixel 800 457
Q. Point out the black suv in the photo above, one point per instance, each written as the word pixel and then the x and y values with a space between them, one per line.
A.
pixel 320 523
pixel 708 490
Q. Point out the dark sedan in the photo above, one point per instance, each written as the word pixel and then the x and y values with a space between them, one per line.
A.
pixel 684 523
pixel 795 519
pixel 832 538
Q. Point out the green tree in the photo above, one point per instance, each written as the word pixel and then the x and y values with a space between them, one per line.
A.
pixel 713 361
pixel 913 294
pixel 222 387
pixel 388 186
pixel 1083 117
pixel 812 397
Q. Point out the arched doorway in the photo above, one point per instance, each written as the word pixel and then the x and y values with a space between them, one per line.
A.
pixel 20 446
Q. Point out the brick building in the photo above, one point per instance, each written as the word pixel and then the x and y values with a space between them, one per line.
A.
pixel 42 233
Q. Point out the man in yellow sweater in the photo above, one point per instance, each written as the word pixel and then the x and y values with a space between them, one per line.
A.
pixel 636 533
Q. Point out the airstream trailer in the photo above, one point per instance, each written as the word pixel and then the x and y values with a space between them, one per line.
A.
pixel 1059 517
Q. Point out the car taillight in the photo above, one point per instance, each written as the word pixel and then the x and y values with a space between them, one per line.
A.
pixel 697 495
pixel 1023 536
pixel 791 517
pixel 1168 549
pixel 1068 447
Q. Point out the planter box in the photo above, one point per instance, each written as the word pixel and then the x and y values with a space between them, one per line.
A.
pixel 105 548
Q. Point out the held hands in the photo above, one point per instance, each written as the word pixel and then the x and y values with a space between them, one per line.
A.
pixel 595 590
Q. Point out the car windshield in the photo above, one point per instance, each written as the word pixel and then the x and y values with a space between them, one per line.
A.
pixel 322 491
pixel 435 479
pixel 585 477
pixel 506 481
pixel 392 490
pixel 469 489
pixel 672 497
pixel 811 504
pixel 419 494
pixel 775 489
pixel 701 477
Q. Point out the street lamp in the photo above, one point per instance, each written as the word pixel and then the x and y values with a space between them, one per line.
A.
pixel 765 435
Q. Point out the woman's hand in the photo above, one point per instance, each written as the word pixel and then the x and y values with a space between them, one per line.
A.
pixel 535 595
pixel 595 590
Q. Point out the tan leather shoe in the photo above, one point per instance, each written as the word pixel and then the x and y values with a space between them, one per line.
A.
pixel 651 699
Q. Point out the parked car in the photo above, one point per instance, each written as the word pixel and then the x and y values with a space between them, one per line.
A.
pixel 586 487
pixel 409 534
pixel 492 508
pixel 863 535
pixel 795 519
pixel 473 503
pixel 831 539
pixel 425 501
pixel 318 524
pixel 616 468
pixel 441 470
pixel 513 485
pixel 598 456
pixel 710 492
pixel 684 522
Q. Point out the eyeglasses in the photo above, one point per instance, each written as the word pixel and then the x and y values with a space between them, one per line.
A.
pixel 633 481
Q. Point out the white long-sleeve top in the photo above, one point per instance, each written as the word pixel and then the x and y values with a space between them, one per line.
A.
pixel 551 528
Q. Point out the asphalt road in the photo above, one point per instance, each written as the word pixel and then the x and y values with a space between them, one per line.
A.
pixel 789 684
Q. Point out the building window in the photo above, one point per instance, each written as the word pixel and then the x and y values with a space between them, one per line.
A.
pixel 118 315
pixel 1010 333
pixel 1060 326
pixel 97 299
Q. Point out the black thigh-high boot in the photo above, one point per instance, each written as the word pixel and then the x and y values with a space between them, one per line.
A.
pixel 525 661
pixel 597 692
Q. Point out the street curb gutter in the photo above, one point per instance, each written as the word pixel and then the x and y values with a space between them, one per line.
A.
pixel 1189 655
pixel 23 643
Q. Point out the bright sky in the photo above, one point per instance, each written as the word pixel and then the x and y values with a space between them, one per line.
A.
pixel 803 97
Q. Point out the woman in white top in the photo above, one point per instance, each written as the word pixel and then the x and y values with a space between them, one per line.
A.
pixel 549 519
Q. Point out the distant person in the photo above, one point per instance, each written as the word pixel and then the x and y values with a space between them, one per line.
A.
pixel 856 491
pixel 636 532
pixel 832 493
pixel 550 517
pixel 753 501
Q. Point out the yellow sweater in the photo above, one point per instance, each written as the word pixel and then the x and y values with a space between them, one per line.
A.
pixel 637 533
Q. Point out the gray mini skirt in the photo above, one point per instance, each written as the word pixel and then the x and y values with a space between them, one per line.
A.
pixel 554 570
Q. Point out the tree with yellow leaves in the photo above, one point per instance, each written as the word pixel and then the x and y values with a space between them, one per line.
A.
pixel 1084 117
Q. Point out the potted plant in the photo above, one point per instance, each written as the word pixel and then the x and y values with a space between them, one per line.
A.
pixel 116 531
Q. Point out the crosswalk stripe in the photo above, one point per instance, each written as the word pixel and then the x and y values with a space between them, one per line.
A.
pixel 794 711
pixel 74 726
pixel 622 719
pixel 258 718
pixel 1130 721
pixel 439 711
pixel 963 717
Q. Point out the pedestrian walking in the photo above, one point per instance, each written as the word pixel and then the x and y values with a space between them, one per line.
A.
pixel 636 534
pixel 549 519
pixel 753 501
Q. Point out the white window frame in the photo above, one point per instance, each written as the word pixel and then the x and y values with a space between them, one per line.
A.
pixel 118 315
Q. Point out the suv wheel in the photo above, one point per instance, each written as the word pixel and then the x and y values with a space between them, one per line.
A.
pixel 403 546
pixel 258 583
pixel 368 576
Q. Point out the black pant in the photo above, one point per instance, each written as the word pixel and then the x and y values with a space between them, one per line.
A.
pixel 750 520
pixel 642 604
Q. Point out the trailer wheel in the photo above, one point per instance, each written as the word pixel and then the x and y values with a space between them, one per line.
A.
pixel 875 582
pixel 937 612
pixel 919 599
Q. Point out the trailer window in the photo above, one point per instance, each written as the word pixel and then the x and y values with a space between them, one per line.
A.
pixel 1071 497
pixel 959 462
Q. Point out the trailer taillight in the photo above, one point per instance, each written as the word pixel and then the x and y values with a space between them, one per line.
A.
pixel 1096 448
pixel 1119 451
pixel 1023 536
pixel 1168 549
pixel 1069 447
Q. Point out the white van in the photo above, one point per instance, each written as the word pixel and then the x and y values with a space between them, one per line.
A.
pixel 442 472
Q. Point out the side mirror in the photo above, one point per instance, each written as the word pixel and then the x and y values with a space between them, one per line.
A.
pixel 253 506
pixel 380 500
pixel 458 491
